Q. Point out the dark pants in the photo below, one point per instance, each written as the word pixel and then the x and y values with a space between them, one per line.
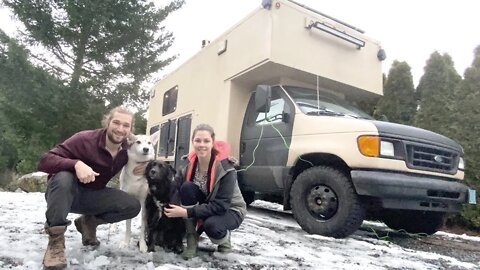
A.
pixel 215 227
pixel 65 195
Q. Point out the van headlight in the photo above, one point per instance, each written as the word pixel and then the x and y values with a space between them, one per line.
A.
pixel 461 164
pixel 374 146
pixel 387 149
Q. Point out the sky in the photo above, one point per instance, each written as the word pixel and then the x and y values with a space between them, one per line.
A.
pixel 409 30
pixel 267 239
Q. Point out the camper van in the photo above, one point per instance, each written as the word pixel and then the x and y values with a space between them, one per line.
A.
pixel 282 88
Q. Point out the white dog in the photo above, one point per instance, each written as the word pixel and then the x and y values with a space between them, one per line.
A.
pixel 140 150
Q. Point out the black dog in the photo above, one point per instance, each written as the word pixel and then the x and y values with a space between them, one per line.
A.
pixel 163 190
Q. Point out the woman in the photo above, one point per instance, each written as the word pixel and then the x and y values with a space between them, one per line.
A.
pixel 209 193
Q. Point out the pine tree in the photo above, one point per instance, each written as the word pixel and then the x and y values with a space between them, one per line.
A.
pixel 398 102
pixel 29 104
pixel 467 115
pixel 8 153
pixel 107 47
pixel 436 94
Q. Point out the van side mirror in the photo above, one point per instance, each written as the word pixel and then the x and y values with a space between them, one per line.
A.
pixel 263 96
pixel 285 117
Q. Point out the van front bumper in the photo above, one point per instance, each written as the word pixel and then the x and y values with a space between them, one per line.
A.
pixel 402 191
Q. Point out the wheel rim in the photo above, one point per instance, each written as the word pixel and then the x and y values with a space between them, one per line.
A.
pixel 322 202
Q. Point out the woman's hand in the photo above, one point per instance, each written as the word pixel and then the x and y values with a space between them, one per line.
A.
pixel 175 211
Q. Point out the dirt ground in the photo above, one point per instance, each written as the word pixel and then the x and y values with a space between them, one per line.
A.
pixel 460 248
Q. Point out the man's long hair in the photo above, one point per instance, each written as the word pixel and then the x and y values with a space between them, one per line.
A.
pixel 120 109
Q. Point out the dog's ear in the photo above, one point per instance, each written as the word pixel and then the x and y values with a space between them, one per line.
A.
pixel 170 168
pixel 131 139
pixel 155 137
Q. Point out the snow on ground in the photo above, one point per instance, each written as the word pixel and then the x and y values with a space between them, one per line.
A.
pixel 267 239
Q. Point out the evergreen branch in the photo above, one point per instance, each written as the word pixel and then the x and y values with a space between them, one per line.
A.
pixel 46 63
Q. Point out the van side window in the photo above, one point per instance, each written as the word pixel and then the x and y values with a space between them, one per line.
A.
pixel 170 101
pixel 275 114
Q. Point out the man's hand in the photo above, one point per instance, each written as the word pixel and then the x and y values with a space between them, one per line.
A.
pixel 140 168
pixel 84 173
pixel 175 211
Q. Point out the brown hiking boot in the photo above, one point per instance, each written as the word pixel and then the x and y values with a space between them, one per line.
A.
pixel 87 226
pixel 54 257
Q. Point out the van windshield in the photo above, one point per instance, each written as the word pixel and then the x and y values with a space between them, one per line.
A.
pixel 326 104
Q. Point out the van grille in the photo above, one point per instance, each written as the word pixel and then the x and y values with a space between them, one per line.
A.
pixel 429 158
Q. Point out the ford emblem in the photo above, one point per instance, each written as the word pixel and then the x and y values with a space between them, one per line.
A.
pixel 438 158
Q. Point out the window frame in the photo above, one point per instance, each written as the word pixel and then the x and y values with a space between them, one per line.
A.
pixel 170 98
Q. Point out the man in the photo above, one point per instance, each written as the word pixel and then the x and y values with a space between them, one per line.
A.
pixel 79 170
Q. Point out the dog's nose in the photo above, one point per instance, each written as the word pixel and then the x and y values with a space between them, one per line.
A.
pixel 145 149
pixel 152 173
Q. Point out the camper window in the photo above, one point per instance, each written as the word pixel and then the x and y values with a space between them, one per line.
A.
pixel 170 101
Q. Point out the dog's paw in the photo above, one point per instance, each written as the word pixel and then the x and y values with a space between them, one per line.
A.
pixel 143 246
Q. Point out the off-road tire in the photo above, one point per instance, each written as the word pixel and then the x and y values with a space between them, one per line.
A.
pixel 414 221
pixel 346 214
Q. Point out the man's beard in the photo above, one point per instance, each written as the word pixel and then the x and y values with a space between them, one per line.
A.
pixel 112 139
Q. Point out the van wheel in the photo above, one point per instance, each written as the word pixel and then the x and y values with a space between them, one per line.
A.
pixel 414 221
pixel 324 202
